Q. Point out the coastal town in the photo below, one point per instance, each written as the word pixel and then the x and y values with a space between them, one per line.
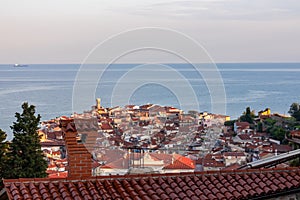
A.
pixel 156 139
pixel 150 100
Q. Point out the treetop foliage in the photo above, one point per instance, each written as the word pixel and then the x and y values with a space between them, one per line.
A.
pixel 248 116
pixel 25 158
pixel 295 111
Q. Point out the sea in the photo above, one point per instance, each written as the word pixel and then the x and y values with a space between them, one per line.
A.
pixel 51 88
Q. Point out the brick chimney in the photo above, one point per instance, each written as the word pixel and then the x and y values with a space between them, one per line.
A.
pixel 79 158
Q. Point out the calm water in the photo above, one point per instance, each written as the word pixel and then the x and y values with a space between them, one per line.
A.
pixel 50 87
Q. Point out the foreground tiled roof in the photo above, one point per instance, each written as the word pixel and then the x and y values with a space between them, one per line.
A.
pixel 206 185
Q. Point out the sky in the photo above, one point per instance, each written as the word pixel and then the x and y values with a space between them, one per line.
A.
pixel 65 31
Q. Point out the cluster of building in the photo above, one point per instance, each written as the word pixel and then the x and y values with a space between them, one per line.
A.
pixel 153 139
pixel 242 143
pixel 53 147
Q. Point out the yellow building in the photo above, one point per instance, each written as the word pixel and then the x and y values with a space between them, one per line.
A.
pixel 43 136
pixel 227 118
pixel 267 111
pixel 100 109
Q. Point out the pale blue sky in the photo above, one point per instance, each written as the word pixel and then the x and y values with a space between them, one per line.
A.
pixel 64 31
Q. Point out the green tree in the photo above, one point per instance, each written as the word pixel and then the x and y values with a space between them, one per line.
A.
pixel 295 111
pixel 278 133
pixel 229 123
pixel 259 127
pixel 269 123
pixel 3 152
pixel 248 116
pixel 26 160
pixel 295 163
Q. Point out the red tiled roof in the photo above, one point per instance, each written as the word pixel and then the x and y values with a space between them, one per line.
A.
pixel 52 166
pixel 251 146
pixel 64 160
pixel 199 161
pixel 212 163
pixel 295 133
pixel 121 163
pixel 110 155
pixel 206 185
pixel 234 154
pixel 52 143
pixel 266 154
pixel 105 126
pixel 129 106
pixel 227 135
pixel 209 161
pixel 244 137
pixel 281 148
pixel 181 162
pixel 264 116
pixel 167 158
pixel 58 175
pixel 242 124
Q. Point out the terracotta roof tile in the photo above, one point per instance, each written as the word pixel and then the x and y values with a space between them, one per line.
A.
pixel 244 137
pixel 242 125
pixel 228 195
pixel 206 185
pixel 220 195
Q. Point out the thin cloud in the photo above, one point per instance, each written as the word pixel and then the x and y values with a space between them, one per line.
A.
pixel 216 9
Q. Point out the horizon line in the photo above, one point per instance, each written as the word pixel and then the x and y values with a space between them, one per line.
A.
pixel 229 62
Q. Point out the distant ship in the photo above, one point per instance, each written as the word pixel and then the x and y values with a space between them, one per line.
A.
pixel 19 65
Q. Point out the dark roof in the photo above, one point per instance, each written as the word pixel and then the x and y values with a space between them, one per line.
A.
pixel 51 143
pixel 244 137
pixel 242 125
pixel 281 148
pixel 240 184
pixel 234 154
pixel 212 163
